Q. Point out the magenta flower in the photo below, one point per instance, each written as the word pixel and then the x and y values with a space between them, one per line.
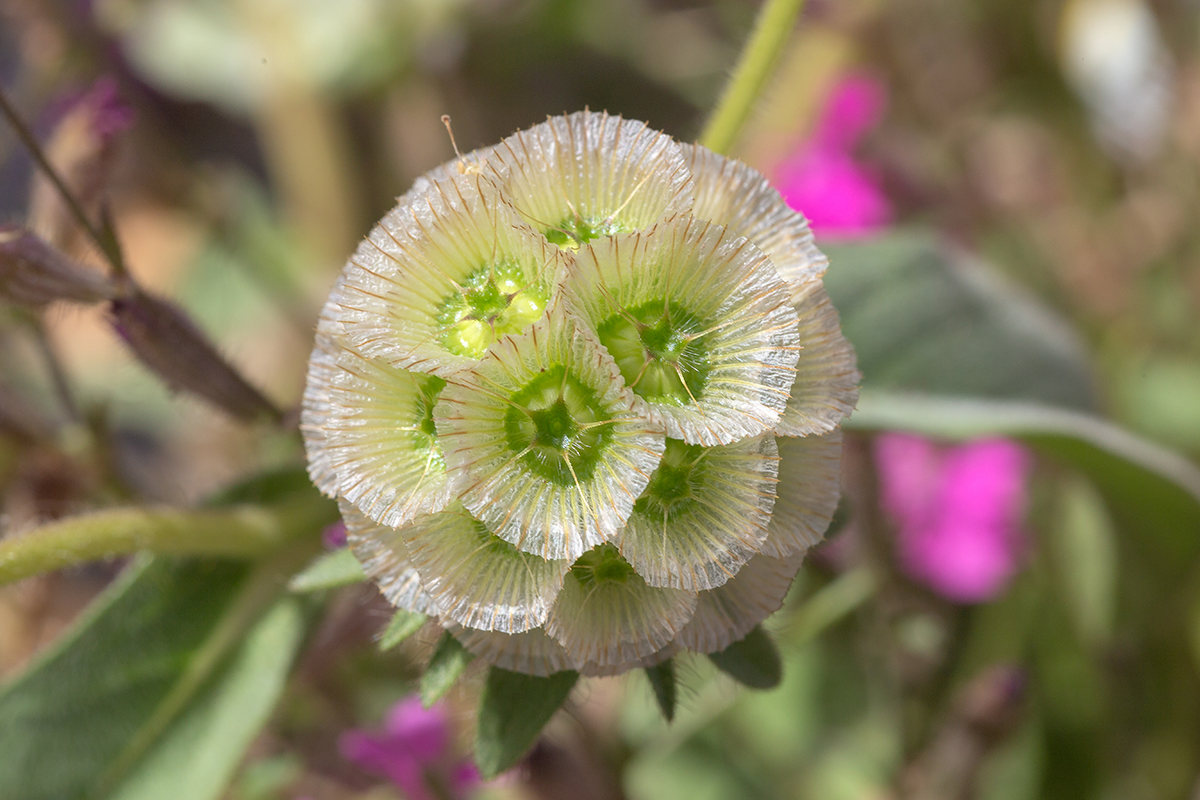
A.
pixel 412 750
pixel 334 536
pixel 109 115
pixel 841 197
pixel 957 511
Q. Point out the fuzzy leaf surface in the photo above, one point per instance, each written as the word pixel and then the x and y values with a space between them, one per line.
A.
pixel 513 711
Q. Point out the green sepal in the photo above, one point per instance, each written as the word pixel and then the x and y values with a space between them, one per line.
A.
pixel 403 625
pixel 328 571
pixel 514 709
pixel 448 662
pixel 754 661
pixel 662 680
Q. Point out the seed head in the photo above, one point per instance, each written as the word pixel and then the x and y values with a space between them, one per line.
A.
pixel 578 396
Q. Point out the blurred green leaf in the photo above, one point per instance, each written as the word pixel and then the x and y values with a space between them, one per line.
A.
pixel 71 715
pixel 1014 771
pixel 198 755
pixel 90 708
pixel 828 605
pixel 924 318
pixel 754 661
pixel 1161 397
pixel 403 625
pixel 1150 489
pixel 1085 555
pixel 448 662
pixel 512 712
pixel 662 680
pixel 267 778
pixel 329 571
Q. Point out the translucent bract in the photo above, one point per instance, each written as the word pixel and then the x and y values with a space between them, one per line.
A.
pixel 579 398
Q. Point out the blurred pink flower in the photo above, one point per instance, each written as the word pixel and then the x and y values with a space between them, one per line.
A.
pixel 957 511
pixel 413 747
pixel 108 114
pixel 334 536
pixel 841 197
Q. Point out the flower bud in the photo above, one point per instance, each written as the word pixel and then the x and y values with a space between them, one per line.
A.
pixel 83 149
pixel 34 273
pixel 170 345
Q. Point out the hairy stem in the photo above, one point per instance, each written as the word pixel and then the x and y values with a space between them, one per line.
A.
pixel 237 532
pixel 771 32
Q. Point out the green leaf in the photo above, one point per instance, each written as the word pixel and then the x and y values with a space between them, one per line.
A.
pixel 70 716
pixel 662 680
pixel 198 755
pixel 1083 545
pixel 329 571
pixel 1151 490
pixel 754 661
pixel 109 694
pixel 512 712
pixel 448 662
pixel 924 318
pixel 88 711
pixel 403 625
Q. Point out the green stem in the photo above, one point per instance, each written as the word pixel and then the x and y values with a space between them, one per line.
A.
pixel 829 605
pixel 105 241
pixel 771 32
pixel 237 532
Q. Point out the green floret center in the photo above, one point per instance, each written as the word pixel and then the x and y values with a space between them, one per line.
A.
pixel 661 350
pixel 575 231
pixel 601 564
pixel 428 389
pixel 559 426
pixel 675 487
pixel 493 301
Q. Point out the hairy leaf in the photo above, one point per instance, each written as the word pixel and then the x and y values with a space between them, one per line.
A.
pixel 512 712
pixel 662 680
pixel 329 571
pixel 754 661
pixel 925 318
pixel 448 662
pixel 66 720
pixel 403 625
pixel 199 754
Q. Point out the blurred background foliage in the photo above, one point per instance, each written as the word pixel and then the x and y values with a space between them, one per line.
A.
pixel 1041 159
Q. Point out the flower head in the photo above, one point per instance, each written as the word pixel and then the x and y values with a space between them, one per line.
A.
pixel 579 396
